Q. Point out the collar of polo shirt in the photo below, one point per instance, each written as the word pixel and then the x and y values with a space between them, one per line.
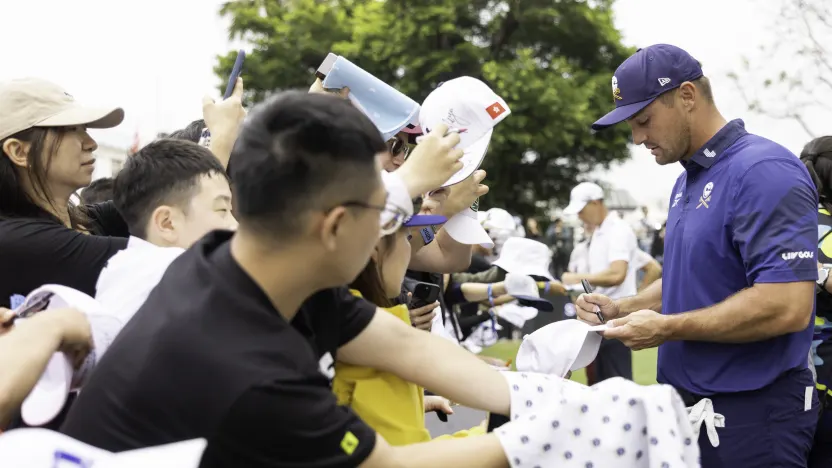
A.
pixel 707 155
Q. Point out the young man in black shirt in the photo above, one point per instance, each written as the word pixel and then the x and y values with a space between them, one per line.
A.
pixel 238 341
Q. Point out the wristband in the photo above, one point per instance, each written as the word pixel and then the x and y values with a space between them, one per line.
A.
pixel 490 294
pixel 547 287
pixel 427 234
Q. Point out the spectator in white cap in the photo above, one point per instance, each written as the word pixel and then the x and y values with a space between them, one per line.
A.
pixel 609 253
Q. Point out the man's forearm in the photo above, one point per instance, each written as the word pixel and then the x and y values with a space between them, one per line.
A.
pixel 482 451
pixel 443 255
pixel 24 354
pixel 750 315
pixel 607 278
pixel 649 298
pixel 478 292
pixel 449 370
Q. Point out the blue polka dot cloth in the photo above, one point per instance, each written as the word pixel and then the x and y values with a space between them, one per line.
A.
pixel 615 423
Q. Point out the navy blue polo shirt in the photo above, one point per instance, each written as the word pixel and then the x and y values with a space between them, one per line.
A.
pixel 743 212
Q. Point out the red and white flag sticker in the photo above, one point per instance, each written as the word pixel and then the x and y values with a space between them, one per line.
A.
pixel 495 110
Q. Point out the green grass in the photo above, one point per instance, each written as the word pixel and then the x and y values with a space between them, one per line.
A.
pixel 644 362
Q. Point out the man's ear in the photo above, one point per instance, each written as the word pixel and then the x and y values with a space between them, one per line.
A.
pixel 17 151
pixel 330 226
pixel 163 222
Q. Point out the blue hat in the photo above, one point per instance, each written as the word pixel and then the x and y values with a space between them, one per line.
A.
pixel 424 220
pixel 646 75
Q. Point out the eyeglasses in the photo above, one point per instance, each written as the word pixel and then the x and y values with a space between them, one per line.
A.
pixel 397 145
pixel 392 216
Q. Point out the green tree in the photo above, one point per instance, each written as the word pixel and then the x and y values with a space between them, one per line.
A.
pixel 551 61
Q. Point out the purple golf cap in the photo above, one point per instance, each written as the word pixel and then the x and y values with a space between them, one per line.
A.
pixel 647 74
pixel 425 220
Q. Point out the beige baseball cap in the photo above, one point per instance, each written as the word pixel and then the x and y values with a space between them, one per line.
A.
pixel 33 102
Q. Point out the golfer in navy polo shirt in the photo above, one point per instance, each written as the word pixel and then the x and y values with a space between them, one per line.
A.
pixel 732 314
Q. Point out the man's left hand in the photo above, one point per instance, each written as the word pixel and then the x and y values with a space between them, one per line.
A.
pixel 639 330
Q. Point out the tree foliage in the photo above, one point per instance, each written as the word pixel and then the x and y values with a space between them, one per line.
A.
pixel 794 67
pixel 551 61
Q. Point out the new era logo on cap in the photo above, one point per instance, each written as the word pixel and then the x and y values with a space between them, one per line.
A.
pixel 494 110
pixel 664 81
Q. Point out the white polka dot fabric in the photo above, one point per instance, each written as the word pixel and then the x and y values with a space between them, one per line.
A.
pixel 616 423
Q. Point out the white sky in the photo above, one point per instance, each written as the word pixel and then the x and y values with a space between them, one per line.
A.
pixel 154 58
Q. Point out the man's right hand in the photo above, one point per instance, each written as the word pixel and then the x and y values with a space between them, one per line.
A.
pixel 432 162
pixel 588 304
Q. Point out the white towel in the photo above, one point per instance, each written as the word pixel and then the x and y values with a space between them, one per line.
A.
pixel 560 423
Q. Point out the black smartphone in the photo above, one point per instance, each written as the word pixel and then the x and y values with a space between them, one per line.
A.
pixel 326 66
pixel 235 73
pixel 205 136
pixel 423 294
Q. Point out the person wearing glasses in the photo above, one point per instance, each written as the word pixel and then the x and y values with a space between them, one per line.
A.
pixel 238 341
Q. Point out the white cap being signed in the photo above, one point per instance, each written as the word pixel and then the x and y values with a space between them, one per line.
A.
pixel 558 348
pixel 470 107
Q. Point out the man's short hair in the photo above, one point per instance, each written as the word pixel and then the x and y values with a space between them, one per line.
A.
pixel 165 172
pixel 99 191
pixel 298 152
pixel 191 133
pixel 703 85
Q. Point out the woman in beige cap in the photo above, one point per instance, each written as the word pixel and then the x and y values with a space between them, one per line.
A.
pixel 47 155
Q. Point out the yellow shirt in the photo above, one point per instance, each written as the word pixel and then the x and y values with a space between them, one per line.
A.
pixel 392 406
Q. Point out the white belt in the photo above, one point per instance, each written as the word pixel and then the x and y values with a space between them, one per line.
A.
pixel 703 412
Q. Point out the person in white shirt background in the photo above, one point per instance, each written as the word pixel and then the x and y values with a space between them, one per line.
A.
pixel 170 193
pixel 610 251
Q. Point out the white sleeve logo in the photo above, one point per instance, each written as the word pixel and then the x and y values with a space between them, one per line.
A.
pixel 793 255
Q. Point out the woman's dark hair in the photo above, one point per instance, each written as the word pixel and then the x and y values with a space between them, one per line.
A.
pixel 817 157
pixel 369 282
pixel 15 201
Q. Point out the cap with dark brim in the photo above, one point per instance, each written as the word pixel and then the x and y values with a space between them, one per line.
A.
pixel 540 304
pixel 622 113
pixel 425 220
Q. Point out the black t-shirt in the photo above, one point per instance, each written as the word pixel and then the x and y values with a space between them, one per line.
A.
pixel 207 355
pixel 34 252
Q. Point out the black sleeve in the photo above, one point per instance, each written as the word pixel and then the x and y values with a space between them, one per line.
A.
pixel 355 313
pixel 294 424
pixel 45 252
pixel 107 219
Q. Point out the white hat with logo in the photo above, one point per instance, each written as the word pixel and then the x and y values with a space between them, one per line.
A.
pixel 470 107
pixel 582 194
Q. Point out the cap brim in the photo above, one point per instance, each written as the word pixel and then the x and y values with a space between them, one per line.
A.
pixel 467 230
pixel 425 220
pixel 536 302
pixel 89 116
pixel 620 114
pixel 574 207
pixel 471 158
pixel 47 398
